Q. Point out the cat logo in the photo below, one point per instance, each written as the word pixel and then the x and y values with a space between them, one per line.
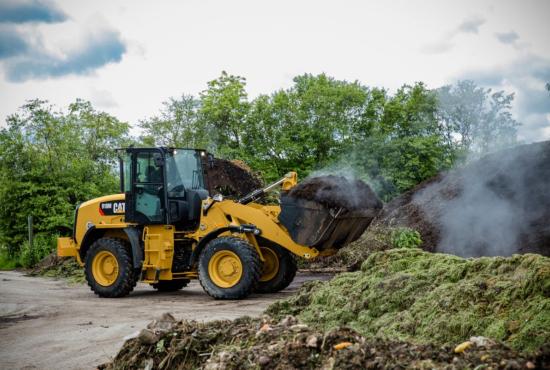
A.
pixel 112 208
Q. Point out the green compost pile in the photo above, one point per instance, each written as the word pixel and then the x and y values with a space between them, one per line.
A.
pixel 405 308
pixel 420 297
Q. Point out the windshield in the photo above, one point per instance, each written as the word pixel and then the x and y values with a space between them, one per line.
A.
pixel 183 170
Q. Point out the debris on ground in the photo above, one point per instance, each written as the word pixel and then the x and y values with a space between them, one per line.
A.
pixel 231 178
pixel 287 344
pixel 350 258
pixel 337 191
pixel 497 205
pixel 59 267
pixel 421 297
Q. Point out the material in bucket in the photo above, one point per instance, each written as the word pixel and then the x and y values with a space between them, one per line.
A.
pixel 328 212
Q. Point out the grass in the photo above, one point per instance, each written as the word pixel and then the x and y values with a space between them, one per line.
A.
pixel 6 262
pixel 412 295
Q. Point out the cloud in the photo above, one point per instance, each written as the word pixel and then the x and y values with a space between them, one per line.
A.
pixel 24 11
pixel 446 42
pixel 471 25
pixel 102 49
pixel 11 43
pixel 507 37
pixel 526 77
pixel 23 60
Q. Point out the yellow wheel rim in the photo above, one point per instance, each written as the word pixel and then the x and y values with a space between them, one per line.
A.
pixel 225 269
pixel 271 264
pixel 105 268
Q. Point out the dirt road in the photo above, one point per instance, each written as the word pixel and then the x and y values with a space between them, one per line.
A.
pixel 51 324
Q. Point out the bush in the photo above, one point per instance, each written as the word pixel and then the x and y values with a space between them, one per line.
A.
pixel 404 237
pixel 43 245
pixel 6 262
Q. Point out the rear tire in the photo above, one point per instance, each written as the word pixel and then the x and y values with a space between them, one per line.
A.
pixel 108 268
pixel 170 285
pixel 229 268
pixel 280 279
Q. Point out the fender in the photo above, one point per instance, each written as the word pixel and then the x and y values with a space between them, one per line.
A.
pixel 214 234
pixel 133 237
pixel 137 250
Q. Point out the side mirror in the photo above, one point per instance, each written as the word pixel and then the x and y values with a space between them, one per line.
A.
pixel 159 161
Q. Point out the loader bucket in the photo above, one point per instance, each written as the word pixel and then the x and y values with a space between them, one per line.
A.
pixel 312 224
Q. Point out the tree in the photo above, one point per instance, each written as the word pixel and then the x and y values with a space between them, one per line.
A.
pixel 307 126
pixel 178 125
pixel 476 120
pixel 49 162
pixel 224 106
pixel 405 146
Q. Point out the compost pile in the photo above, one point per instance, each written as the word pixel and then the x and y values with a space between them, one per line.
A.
pixel 59 267
pixel 434 298
pixel 337 192
pixel 497 205
pixel 232 179
pixel 405 308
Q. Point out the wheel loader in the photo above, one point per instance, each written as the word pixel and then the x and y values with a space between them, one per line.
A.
pixel 165 228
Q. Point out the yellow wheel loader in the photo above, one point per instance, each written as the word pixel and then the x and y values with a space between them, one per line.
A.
pixel 165 229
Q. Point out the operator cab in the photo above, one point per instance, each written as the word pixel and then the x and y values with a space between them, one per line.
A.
pixel 163 185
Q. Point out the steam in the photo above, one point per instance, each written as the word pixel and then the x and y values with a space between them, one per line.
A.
pixel 498 205
pixel 338 176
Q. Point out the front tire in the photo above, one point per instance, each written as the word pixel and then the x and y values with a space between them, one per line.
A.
pixel 108 268
pixel 278 270
pixel 229 268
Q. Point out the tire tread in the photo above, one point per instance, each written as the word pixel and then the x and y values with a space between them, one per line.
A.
pixel 251 268
pixel 129 279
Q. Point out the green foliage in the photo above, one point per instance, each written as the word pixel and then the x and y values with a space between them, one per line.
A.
pixel 178 125
pixel 403 237
pixel 43 244
pixel 476 120
pixel 307 126
pixel 224 107
pixel 412 295
pixel 405 147
pixel 392 141
pixel 49 162
pixel 6 261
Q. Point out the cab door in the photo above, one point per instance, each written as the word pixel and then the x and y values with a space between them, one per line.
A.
pixel 145 195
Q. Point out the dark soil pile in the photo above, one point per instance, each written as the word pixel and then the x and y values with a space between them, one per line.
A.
pixel 232 179
pixel 403 211
pixel 498 205
pixel 286 344
pixel 337 191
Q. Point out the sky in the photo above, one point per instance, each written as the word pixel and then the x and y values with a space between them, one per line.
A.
pixel 127 57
